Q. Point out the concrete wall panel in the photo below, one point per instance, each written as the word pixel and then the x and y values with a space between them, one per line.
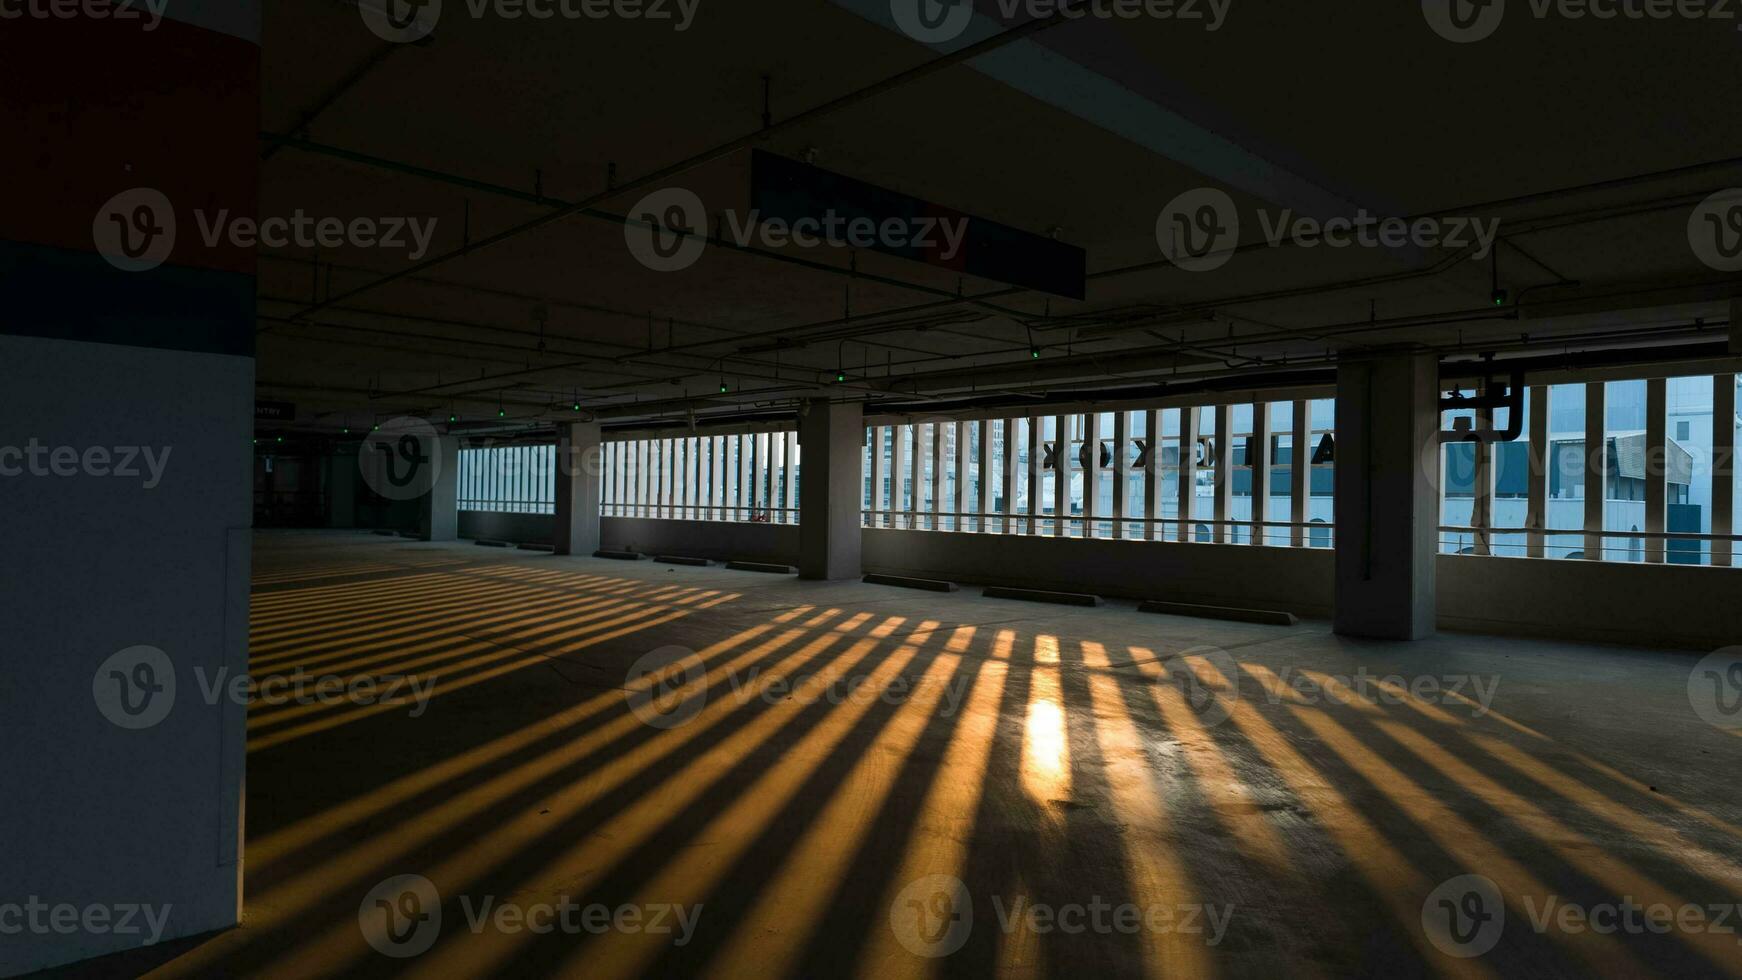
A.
pixel 1614 602
pixel 1294 580
pixel 701 539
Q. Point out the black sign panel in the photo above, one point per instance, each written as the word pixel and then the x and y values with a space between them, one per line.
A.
pixel 887 221
pixel 274 412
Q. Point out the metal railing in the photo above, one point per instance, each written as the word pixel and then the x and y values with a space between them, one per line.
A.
pixel 719 513
pixel 497 506
pixel 1103 527
pixel 1503 540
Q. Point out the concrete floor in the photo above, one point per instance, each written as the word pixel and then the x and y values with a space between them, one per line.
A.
pixel 1204 789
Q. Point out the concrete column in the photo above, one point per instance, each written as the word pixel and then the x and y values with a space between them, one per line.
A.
pixel 1121 469
pixel 577 488
pixel 833 437
pixel 613 462
pixel 768 450
pixel 964 479
pixel 1300 474
pixel 1224 532
pixel 1656 467
pixel 1482 506
pixel 757 494
pixel 1061 474
pixel 767 463
pixel 790 501
pixel 1387 520
pixel 717 492
pixel 985 474
pixel 439 509
pixel 342 474
pixel 691 477
pixel 1010 456
pixel 638 495
pixel 1596 466
pixel 1091 463
pixel 660 471
pixel 127 381
pixel 1258 454
pixel 875 435
pixel 1152 476
pixel 746 499
pixel 1723 467
pixel 700 447
pixel 1189 421
pixel 666 472
pixel 774 463
pixel 897 472
pixel 917 467
pixel 1036 472
pixel 1536 517
pixel 670 470
pixel 688 480
pixel 610 480
pixel 704 477
pixel 939 436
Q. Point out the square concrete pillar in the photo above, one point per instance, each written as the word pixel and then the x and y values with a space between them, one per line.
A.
pixel 832 441
pixel 439 509
pixel 1387 504
pixel 578 454
pixel 342 472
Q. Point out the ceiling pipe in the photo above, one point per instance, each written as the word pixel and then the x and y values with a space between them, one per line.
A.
pixel 957 300
pixel 1081 366
pixel 1279 378
pixel 1170 316
pixel 1691 345
pixel 1181 312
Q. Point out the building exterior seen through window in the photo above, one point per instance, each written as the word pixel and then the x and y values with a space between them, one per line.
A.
pixel 1687 463
pixel 509 479
pixel 750 477
pixel 1123 481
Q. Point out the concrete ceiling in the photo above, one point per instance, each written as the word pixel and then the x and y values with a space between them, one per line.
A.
pixel 1592 142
